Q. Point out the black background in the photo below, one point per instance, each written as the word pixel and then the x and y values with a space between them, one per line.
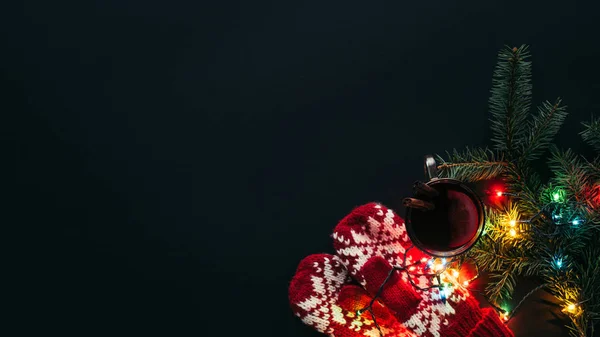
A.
pixel 176 160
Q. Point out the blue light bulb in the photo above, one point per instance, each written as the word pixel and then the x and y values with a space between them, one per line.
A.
pixel 558 262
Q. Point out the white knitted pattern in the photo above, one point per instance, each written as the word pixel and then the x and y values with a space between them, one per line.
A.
pixel 432 312
pixel 321 309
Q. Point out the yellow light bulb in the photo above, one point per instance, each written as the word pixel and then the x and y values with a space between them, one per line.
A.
pixel 512 232
pixel 466 283
pixel 512 223
pixel 455 273
pixel 572 309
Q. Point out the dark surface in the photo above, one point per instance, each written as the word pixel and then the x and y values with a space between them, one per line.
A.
pixel 176 160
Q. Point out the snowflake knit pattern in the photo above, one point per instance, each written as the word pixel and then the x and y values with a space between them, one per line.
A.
pixel 368 242
pixel 322 295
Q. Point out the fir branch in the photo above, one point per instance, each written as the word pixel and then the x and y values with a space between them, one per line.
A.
pixel 544 126
pixel 579 327
pixel 472 165
pixel 565 290
pixel 535 267
pixel 588 280
pixel 503 256
pixel 591 133
pixel 511 99
pixel 502 285
pixel 569 172
pixel 533 247
pixel 524 182
pixel 492 259
pixel 593 167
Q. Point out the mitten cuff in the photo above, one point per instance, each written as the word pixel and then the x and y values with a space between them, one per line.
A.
pixel 466 316
pixel 490 326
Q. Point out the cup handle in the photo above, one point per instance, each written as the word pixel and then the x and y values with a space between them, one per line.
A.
pixel 431 171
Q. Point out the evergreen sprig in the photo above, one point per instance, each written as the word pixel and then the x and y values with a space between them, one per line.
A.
pixel 526 183
pixel 504 258
pixel 569 172
pixel 588 280
pixel 511 99
pixel 472 165
pixel 562 253
pixel 591 132
pixel 544 126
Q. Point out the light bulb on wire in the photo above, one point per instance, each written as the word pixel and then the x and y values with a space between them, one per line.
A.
pixel 558 262
pixel 558 195
pixel 572 309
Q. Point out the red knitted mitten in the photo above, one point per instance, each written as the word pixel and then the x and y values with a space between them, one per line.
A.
pixel 372 239
pixel 319 296
pixel 489 325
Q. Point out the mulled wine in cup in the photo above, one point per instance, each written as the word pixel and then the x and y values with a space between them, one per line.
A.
pixel 444 218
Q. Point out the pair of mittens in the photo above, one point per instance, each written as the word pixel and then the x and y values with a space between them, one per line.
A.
pixel 369 242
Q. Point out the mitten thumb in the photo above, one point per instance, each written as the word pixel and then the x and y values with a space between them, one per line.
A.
pixel 370 241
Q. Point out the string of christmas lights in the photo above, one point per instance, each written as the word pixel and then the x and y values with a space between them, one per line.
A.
pixel 447 274
pixel 558 216
pixel 546 230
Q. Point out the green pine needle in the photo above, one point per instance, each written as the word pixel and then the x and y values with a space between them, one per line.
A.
pixel 544 126
pixel 569 172
pixel 591 134
pixel 511 99
pixel 472 165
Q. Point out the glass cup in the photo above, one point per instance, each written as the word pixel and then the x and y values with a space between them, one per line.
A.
pixel 444 218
